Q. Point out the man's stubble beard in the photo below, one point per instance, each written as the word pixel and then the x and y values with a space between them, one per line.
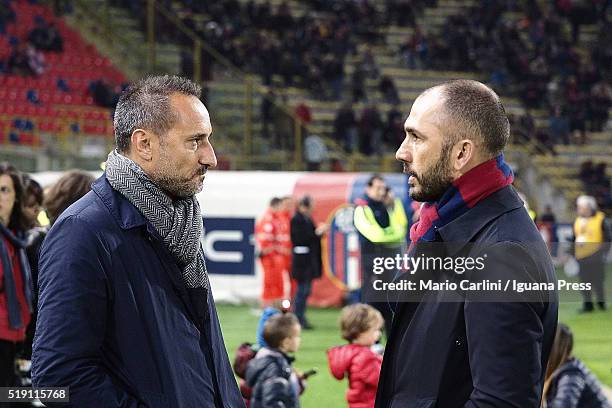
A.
pixel 436 180
pixel 173 184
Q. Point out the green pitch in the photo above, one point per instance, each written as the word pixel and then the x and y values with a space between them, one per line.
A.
pixel 593 344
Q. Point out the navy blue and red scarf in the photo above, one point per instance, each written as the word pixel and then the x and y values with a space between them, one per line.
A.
pixel 465 192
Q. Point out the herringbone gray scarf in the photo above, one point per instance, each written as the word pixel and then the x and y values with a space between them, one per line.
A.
pixel 178 222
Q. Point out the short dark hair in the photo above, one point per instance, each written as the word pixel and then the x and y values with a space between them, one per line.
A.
pixel 31 188
pixel 305 201
pixel 375 177
pixel 146 105
pixel 275 201
pixel 17 220
pixel 474 109
pixel 278 328
pixel 67 190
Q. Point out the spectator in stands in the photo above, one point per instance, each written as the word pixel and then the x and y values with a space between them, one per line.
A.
pixel 388 90
pixel 370 129
pixel 18 61
pixel 335 166
pixel 358 78
pixel 333 73
pixel 284 126
pixel 267 105
pixel 599 105
pixel 345 127
pixel 568 382
pixel 315 152
pixel 394 129
pixel 16 304
pixel 368 64
pixel 302 111
pixel 361 326
pixel 415 51
pixel 46 37
pixel 7 15
pixel 586 171
pixel 103 94
pixel 558 126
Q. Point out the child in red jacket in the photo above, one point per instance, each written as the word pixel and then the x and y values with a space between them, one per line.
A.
pixel 361 325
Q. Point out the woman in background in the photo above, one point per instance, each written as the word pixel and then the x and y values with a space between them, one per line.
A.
pixel 15 278
pixel 569 383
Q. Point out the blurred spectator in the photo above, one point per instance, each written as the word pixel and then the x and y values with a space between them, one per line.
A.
pixel 283 125
pixel 558 126
pixel 388 90
pixel 394 129
pixel 368 64
pixel 415 51
pixel 32 201
pixel 26 60
pixel 370 131
pixel 267 104
pixel 345 127
pixel 46 37
pixel 547 215
pixel 335 165
pixel 315 152
pixel 103 94
pixel 7 15
pixel 304 115
pixel 599 104
pixel 358 83
pixel 302 111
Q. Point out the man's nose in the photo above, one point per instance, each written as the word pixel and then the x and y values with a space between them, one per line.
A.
pixel 208 157
pixel 403 153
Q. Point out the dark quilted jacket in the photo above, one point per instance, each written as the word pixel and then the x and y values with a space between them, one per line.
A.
pixel 270 376
pixel 575 386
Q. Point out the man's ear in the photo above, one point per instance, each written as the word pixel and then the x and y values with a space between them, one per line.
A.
pixel 141 146
pixel 463 153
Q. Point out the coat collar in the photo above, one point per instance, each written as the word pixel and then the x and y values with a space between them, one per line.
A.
pixel 463 229
pixel 125 214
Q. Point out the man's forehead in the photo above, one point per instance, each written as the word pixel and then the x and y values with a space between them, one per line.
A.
pixel 426 109
pixel 192 111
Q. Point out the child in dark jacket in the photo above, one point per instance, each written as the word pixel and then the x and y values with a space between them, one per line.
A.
pixel 273 380
pixel 360 325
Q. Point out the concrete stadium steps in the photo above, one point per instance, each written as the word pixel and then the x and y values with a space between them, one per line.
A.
pixel 126 42
pixel 562 170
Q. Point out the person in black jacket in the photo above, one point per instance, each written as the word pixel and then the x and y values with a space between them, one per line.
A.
pixel 466 347
pixel 569 383
pixel 306 262
pixel 274 382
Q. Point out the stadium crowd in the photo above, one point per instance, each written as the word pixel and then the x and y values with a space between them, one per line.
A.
pixel 530 56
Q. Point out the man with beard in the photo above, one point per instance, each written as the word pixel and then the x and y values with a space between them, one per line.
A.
pixel 126 315
pixel 452 349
